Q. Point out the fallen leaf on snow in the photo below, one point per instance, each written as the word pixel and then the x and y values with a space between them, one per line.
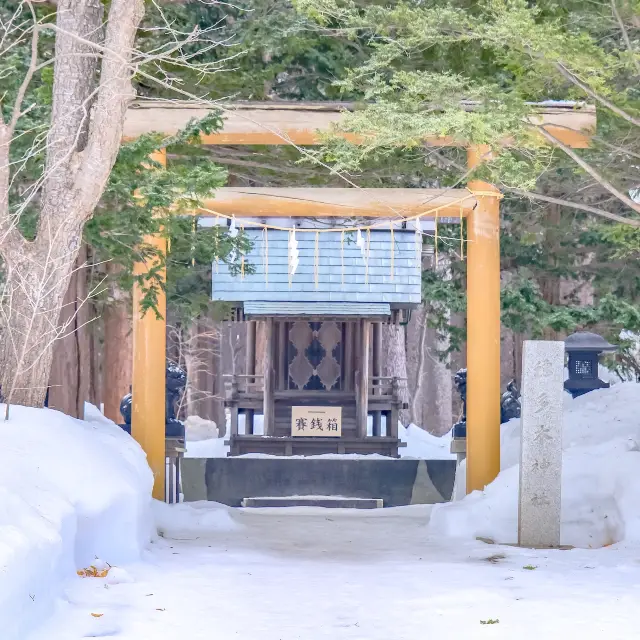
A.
pixel 93 572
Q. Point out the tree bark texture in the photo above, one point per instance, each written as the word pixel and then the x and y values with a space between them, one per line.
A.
pixel 430 379
pixel 117 350
pixel 458 361
pixel 201 359
pixel 261 345
pixel 70 378
pixel 394 362
pixel 87 121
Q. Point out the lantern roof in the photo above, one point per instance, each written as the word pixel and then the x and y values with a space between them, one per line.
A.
pixel 587 341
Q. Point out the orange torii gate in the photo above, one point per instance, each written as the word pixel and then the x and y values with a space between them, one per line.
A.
pixel 300 124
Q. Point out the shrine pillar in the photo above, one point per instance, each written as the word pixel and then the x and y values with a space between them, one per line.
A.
pixel 149 366
pixel 483 330
pixel 362 395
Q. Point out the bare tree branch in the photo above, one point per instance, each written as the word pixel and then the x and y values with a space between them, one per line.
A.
pixel 33 63
pixel 574 205
pixel 569 75
pixel 625 34
pixel 590 170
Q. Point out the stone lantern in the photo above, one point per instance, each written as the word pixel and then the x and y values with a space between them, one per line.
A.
pixel 584 349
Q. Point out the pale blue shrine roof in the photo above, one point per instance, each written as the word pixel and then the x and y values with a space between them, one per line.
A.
pixel 339 274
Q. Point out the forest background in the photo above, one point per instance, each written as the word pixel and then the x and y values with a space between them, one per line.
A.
pixel 565 266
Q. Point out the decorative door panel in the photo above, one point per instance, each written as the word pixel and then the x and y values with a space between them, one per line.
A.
pixel 314 355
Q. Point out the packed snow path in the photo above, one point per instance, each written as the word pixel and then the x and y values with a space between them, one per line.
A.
pixel 309 574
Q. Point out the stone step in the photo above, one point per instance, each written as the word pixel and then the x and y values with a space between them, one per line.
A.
pixel 328 502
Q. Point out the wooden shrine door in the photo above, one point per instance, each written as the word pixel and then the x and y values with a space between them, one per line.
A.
pixel 315 356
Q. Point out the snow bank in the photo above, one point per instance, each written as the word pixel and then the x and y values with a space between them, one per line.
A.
pixel 210 448
pixel 423 445
pixel 192 518
pixel 600 479
pixel 71 491
pixel 197 429
pixel 419 444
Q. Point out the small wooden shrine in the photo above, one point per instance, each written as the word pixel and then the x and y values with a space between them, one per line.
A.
pixel 564 124
pixel 323 296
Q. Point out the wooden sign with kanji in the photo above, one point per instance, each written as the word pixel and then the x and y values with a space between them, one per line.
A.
pixel 316 421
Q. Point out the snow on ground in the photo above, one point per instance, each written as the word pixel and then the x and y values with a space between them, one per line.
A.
pixel 390 574
pixel 311 574
pixel 419 444
pixel 600 480
pixel 175 521
pixel 71 491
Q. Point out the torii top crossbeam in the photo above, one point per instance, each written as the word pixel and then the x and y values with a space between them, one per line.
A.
pixel 300 123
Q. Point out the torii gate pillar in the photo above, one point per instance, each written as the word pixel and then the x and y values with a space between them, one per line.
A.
pixel 483 330
pixel 149 367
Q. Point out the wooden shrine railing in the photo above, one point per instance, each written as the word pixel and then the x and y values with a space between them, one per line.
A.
pixel 245 384
pixel 237 385
pixel 244 398
pixel 386 386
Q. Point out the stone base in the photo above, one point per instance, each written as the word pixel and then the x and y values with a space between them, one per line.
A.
pixel 397 482
pixel 561 547
pixel 329 502
pixel 459 445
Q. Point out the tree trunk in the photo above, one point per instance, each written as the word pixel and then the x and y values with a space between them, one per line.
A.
pixel 70 379
pixel 458 361
pixel 117 351
pixel 261 345
pixel 430 381
pixel 201 354
pixel 96 335
pixel 208 378
pixel 34 292
pixel 218 414
pixel 84 137
pixel 508 365
pixel 395 361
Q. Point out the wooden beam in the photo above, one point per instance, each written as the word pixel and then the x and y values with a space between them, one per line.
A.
pixel 349 359
pixel 376 366
pixel 250 370
pixel 302 123
pixel 268 397
pixel 281 359
pixel 362 410
pixel 344 203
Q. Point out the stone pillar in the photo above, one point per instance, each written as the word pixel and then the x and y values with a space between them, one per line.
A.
pixel 541 444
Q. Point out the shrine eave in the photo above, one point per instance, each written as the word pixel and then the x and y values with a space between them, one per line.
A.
pixel 316 309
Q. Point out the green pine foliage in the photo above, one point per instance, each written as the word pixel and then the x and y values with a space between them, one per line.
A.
pixel 262 49
pixel 27 148
pixel 143 198
pixel 469 71
pixel 462 69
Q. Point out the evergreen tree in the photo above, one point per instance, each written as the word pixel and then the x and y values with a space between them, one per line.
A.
pixel 471 71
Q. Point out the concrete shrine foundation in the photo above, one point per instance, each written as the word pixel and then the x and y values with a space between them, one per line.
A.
pixel 397 482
